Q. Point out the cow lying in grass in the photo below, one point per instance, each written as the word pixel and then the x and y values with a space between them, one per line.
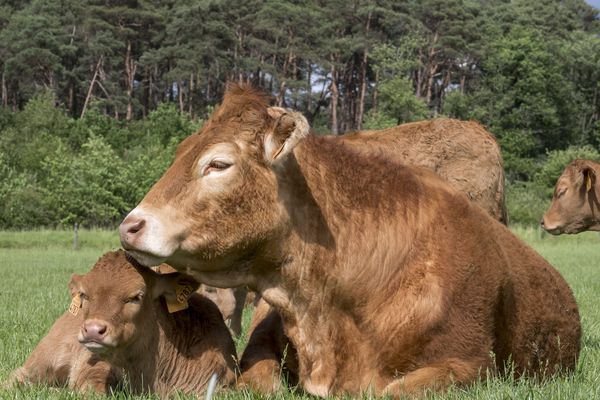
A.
pixel 575 204
pixel 386 279
pixel 118 326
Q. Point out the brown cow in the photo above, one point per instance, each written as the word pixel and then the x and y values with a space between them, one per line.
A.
pixel 386 279
pixel 122 327
pixel 463 153
pixel 575 206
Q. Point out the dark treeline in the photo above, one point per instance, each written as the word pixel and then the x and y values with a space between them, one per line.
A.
pixel 125 80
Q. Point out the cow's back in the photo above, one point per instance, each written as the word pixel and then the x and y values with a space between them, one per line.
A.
pixel 463 153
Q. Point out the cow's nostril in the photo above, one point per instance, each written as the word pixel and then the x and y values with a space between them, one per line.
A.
pixel 542 222
pixel 94 330
pixel 136 226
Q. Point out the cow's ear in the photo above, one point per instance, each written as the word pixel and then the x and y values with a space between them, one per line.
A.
pixel 289 128
pixel 74 284
pixel 175 287
pixel 589 177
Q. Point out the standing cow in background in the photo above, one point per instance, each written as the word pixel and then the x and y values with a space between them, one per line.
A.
pixel 386 279
pixel 462 153
pixel 575 204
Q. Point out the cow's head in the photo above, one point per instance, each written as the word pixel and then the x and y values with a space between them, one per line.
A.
pixel 115 300
pixel 574 206
pixel 218 201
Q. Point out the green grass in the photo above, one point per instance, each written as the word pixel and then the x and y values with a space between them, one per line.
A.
pixel 35 268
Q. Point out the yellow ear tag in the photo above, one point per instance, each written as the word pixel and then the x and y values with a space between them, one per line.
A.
pixel 183 290
pixel 588 183
pixel 75 304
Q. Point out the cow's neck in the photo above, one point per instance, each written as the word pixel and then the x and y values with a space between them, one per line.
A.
pixel 139 361
pixel 157 362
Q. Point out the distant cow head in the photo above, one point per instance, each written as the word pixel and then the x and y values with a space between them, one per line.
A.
pixel 574 206
pixel 218 201
pixel 115 300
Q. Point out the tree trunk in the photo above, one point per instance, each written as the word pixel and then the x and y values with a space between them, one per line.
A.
pixel 90 89
pixel 71 99
pixel 363 80
pixel 309 89
pixel 130 69
pixel 375 93
pixel 334 101
pixel 180 96
pixel 361 96
pixel 4 91
pixel 418 82
pixel 190 95
pixel 432 68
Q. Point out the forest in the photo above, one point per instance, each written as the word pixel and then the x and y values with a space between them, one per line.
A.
pixel 95 95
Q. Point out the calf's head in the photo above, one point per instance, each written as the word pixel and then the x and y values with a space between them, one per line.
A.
pixel 218 201
pixel 574 206
pixel 116 299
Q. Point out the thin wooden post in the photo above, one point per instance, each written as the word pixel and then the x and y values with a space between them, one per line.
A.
pixel 76 236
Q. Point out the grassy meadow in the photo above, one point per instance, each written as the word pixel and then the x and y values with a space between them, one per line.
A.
pixel 35 267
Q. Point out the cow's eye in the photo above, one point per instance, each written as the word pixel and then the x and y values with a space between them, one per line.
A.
pixel 561 192
pixel 136 299
pixel 216 165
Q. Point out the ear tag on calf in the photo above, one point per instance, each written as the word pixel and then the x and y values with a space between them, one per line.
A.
pixel 183 290
pixel 588 183
pixel 75 304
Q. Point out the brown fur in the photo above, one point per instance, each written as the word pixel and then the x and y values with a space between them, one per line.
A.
pixel 158 352
pixel 230 302
pixel 59 360
pixel 386 279
pixel 268 355
pixel 575 207
pixel 463 153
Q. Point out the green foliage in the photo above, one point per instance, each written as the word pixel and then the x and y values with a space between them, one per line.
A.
pixel 456 105
pixel 518 150
pixel 168 124
pixel 400 102
pixel 526 203
pixel 85 187
pixel 142 72
pixel 378 120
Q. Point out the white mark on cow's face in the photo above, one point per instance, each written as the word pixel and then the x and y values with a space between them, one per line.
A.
pixel 156 239
pixel 217 169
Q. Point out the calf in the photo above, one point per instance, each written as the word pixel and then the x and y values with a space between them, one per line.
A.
pixel 385 278
pixel 119 324
pixel 575 206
